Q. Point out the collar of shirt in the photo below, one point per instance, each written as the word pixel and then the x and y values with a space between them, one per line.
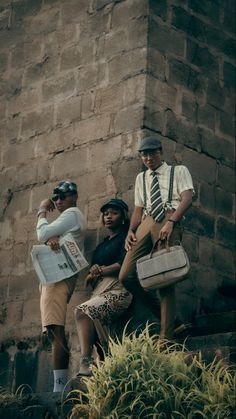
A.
pixel 160 170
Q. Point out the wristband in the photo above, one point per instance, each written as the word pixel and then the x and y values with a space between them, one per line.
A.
pixel 101 273
pixel 172 221
pixel 40 211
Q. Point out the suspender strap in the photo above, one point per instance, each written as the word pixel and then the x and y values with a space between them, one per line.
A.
pixel 144 190
pixel 171 183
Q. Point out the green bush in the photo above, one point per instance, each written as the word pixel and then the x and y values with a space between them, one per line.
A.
pixel 141 379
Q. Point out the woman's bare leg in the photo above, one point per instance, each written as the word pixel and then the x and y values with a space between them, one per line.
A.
pixel 87 338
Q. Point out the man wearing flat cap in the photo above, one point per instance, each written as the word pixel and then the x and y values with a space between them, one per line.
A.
pixel 54 297
pixel 154 217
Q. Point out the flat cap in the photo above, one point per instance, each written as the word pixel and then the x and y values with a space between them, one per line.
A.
pixel 150 143
pixel 115 202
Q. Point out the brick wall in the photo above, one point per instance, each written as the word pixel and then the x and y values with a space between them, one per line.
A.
pixel 82 81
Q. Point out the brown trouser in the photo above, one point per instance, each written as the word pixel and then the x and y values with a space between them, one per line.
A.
pixel 146 234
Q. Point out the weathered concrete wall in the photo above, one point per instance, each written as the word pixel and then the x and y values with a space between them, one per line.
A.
pixel 190 102
pixel 73 93
pixel 82 81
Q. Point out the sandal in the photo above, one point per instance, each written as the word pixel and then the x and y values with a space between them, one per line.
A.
pixel 182 327
pixel 86 363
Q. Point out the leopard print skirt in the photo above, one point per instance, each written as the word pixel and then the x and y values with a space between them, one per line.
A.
pixel 108 301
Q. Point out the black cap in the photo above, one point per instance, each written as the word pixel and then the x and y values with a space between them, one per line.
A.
pixel 115 202
pixel 65 186
pixel 150 143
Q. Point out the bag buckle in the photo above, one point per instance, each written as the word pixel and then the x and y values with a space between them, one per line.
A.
pixel 168 206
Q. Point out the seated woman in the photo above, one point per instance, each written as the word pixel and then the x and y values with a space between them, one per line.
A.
pixel 109 298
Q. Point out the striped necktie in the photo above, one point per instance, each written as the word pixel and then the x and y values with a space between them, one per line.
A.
pixel 157 210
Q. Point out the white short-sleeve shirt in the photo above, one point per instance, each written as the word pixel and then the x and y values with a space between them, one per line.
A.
pixel 182 182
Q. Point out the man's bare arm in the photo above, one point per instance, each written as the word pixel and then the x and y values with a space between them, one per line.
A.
pixel 136 219
pixel 185 203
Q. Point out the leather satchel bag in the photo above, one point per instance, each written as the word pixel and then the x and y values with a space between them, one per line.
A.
pixel 163 267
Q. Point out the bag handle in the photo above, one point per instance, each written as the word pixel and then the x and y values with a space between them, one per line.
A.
pixel 157 244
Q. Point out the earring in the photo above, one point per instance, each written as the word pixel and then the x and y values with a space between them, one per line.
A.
pixel 123 221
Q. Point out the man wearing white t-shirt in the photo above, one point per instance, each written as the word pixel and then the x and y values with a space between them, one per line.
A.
pixel 55 297
pixel 154 217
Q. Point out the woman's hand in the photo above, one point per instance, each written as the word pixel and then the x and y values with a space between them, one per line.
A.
pixel 96 270
pixel 92 280
pixel 53 242
pixel 47 204
pixel 89 280
pixel 95 273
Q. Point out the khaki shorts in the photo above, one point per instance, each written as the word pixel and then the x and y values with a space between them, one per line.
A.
pixel 53 302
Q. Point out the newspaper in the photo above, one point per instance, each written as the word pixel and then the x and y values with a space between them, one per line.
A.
pixel 53 266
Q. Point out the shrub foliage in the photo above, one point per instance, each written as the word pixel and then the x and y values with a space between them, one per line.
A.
pixel 141 379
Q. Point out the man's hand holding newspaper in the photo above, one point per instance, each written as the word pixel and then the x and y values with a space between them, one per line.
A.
pixel 53 266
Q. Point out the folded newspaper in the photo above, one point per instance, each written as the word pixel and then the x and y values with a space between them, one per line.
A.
pixel 53 266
